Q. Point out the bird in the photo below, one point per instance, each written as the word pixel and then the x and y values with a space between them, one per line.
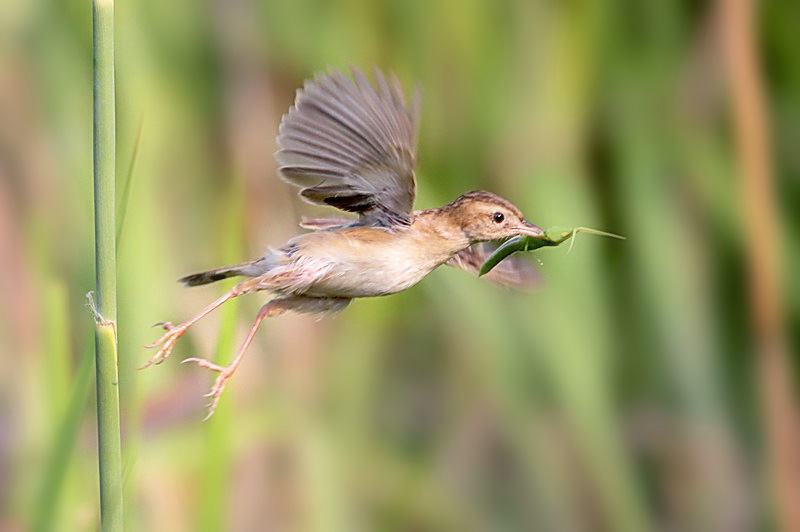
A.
pixel 351 144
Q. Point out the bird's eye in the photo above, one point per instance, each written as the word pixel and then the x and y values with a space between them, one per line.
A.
pixel 498 217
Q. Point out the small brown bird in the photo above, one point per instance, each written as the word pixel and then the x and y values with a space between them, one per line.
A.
pixel 352 145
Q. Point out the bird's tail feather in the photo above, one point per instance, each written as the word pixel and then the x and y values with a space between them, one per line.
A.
pixel 218 274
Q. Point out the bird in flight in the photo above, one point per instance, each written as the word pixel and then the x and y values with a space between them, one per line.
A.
pixel 351 144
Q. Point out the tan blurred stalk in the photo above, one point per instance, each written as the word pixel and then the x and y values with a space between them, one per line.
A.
pixel 761 233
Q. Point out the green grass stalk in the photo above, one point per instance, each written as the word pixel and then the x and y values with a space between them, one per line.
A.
pixel 108 426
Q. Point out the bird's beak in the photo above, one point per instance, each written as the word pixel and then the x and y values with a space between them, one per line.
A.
pixel 529 229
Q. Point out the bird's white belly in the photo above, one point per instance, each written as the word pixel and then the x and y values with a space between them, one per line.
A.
pixel 383 276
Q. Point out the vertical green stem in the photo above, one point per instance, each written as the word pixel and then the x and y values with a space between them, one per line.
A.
pixel 105 263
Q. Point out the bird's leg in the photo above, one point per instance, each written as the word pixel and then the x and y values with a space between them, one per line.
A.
pixel 273 308
pixel 168 340
pixel 308 305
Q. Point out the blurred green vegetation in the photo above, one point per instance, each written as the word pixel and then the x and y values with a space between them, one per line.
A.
pixel 618 395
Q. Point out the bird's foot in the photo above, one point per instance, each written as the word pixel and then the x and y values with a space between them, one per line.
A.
pixel 225 373
pixel 167 341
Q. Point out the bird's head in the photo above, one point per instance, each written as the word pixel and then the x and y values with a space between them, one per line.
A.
pixel 484 216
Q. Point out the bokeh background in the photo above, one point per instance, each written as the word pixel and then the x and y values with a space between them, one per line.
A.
pixel 623 393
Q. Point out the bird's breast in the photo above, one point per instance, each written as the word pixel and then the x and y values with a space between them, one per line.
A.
pixel 368 263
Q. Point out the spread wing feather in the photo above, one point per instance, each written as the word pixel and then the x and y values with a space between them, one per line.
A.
pixel 352 145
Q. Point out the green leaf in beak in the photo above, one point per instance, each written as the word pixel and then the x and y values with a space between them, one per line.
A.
pixel 551 237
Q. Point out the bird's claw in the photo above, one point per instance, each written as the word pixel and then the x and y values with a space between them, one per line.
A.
pixel 167 343
pixel 225 373
pixel 203 363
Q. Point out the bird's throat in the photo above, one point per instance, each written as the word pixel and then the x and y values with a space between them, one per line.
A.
pixel 438 234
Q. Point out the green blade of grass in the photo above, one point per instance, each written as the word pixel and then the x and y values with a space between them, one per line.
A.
pixel 552 237
pixel 126 187
pixel 108 425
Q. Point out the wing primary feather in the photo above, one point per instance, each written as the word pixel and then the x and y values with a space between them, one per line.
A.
pixel 303 128
pixel 292 142
pixel 352 144
pixel 387 97
pixel 297 156
pixel 335 115
pixel 351 91
pixel 347 88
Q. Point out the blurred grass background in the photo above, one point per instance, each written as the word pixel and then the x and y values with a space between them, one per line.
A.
pixel 620 395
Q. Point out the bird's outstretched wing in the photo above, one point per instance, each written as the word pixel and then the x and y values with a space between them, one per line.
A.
pixel 352 145
pixel 512 271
